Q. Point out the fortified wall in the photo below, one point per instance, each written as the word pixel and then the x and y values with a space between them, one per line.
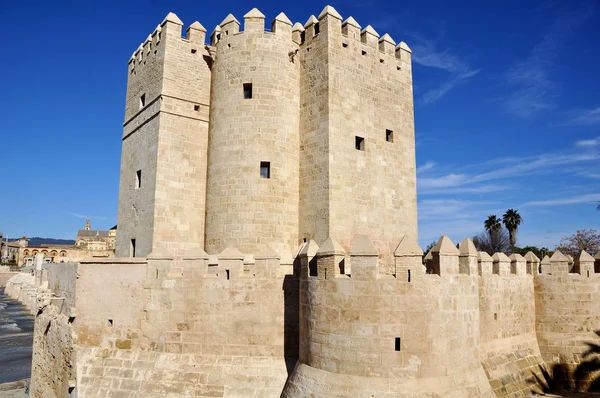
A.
pixel 326 323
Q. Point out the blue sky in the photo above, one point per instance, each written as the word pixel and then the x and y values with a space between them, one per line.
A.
pixel 507 107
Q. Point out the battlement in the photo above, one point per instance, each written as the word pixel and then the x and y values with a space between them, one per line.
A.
pixel 169 28
pixel 562 265
pixel 352 38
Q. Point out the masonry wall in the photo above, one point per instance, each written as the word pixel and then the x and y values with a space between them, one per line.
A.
pixel 5 276
pixel 567 322
pixel 243 209
pixel 53 371
pixel 167 140
pixel 350 325
pixel 509 351
pixel 368 90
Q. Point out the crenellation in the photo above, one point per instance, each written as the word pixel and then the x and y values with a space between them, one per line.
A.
pixel 369 36
pixel 331 258
pixel 254 21
pixel 559 264
pixel 363 259
pixel 444 257
pixel 584 265
pixel 501 265
pixel 533 263
pixel 196 34
pixel 298 33
pixel 351 29
pixel 468 257
pixel 408 260
pixel 485 264
pixel 230 26
pixel 311 28
pixel 387 45
pixel 282 26
pixel 215 36
pixel 518 265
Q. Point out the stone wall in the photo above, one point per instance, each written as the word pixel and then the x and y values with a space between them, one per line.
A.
pixel 5 276
pixel 568 320
pixel 509 351
pixel 369 334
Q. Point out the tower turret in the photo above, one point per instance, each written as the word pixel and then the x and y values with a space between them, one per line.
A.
pixel 165 136
pixel 252 194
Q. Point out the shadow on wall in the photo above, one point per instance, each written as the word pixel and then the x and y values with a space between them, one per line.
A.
pixel 584 377
pixel 291 337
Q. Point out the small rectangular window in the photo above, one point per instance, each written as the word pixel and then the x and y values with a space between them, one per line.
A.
pixel 193 51
pixel 389 135
pixel 397 345
pixel 364 52
pixel 345 45
pixel 132 248
pixel 196 108
pixel 265 169
pixel 247 90
pixel 138 179
pixel 316 28
pixel 142 101
pixel 359 143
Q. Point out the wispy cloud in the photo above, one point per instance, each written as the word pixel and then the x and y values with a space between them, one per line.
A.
pixel 587 117
pixel 535 87
pixel 78 215
pixel 510 168
pixel 588 143
pixel 459 72
pixel 425 167
pixel 587 198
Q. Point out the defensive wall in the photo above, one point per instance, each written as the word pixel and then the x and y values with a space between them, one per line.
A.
pixel 323 322
pixel 5 275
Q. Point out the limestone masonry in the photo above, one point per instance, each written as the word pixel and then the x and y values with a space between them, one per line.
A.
pixel 267 242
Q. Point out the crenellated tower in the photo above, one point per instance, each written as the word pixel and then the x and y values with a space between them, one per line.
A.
pixel 357 151
pixel 253 173
pixel 162 189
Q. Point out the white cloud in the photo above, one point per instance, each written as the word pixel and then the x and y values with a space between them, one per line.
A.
pixel 535 88
pixel 427 166
pixel 459 72
pixel 587 198
pixel 78 215
pixel 588 143
pixel 586 117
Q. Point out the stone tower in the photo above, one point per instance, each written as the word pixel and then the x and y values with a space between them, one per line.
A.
pixel 267 137
pixel 163 163
pixel 357 152
pixel 253 172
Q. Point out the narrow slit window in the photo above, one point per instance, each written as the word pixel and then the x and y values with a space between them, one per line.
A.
pixel 132 248
pixel 247 90
pixel 359 143
pixel 389 135
pixel 316 29
pixel 138 179
pixel 397 344
pixel 110 323
pixel 265 169
pixel 142 101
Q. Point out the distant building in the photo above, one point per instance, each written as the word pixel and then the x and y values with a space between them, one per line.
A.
pixel 89 243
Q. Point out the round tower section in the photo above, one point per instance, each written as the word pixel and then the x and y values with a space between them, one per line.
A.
pixel 253 166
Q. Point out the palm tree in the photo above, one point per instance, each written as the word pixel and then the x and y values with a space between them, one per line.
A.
pixel 492 224
pixel 512 219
